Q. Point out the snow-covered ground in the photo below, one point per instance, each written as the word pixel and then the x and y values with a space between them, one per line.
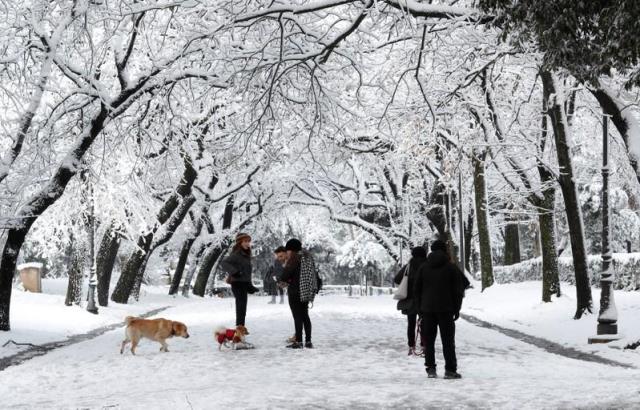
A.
pixel 43 317
pixel 359 361
pixel 519 306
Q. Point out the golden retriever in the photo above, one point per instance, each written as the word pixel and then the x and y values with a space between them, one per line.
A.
pixel 154 329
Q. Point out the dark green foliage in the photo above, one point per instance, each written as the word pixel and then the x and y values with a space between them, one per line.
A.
pixel 589 38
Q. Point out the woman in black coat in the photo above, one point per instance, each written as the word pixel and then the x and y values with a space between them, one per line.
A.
pixel 408 306
pixel 238 266
pixel 291 275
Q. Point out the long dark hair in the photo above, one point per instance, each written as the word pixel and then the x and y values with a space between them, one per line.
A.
pixel 237 247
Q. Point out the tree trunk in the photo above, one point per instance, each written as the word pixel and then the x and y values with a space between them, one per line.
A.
pixel 550 277
pixel 482 217
pixel 75 272
pixel 170 216
pixel 135 292
pixel 186 286
pixel 36 206
pixel 436 213
pixel 546 217
pixel 204 270
pixel 211 282
pixel 213 253
pixel 170 228
pixel 105 260
pixel 182 262
pixel 130 270
pixel 569 193
pixel 468 237
pixel 511 244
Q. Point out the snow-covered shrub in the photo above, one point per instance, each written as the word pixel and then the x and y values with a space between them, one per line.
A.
pixel 625 266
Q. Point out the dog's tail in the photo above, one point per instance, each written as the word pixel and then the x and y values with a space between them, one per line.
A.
pixel 129 319
pixel 219 331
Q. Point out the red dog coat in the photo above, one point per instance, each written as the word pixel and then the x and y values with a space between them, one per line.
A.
pixel 228 335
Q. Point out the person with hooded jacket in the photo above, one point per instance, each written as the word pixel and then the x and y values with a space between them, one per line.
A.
pixel 439 292
pixel 408 305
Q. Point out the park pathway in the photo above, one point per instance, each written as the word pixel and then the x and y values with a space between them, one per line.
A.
pixel 545 344
pixel 359 362
pixel 40 350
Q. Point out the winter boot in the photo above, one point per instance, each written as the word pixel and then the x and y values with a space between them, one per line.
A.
pixel 295 345
pixel 291 339
pixel 452 375
pixel 431 372
pixel 281 299
pixel 308 345
pixel 273 300
pixel 412 351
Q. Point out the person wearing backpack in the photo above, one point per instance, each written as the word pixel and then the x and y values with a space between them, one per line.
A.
pixel 408 305
pixel 300 274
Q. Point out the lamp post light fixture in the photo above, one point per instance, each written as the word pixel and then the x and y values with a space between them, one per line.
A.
pixel 607 329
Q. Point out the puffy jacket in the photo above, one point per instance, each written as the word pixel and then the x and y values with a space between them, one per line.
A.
pixel 440 285
pixel 238 266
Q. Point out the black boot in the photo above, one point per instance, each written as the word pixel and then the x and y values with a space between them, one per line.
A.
pixel 431 372
pixel 295 345
pixel 308 345
pixel 452 375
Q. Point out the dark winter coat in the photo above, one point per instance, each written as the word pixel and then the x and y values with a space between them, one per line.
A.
pixel 408 305
pixel 440 285
pixel 271 284
pixel 301 287
pixel 291 275
pixel 238 266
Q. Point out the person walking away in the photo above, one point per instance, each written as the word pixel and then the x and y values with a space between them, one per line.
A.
pixel 300 274
pixel 273 275
pixel 408 305
pixel 238 266
pixel 439 292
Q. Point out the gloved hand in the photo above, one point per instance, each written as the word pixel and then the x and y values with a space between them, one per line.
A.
pixel 456 316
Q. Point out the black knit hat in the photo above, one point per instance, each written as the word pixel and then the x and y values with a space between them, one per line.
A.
pixel 438 246
pixel 419 252
pixel 293 245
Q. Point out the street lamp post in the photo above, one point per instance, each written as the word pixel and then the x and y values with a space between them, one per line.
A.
pixel 607 329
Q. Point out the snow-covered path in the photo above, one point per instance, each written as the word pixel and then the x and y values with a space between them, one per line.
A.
pixel 360 362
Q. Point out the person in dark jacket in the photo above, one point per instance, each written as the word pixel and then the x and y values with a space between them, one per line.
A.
pixel 299 309
pixel 238 266
pixel 273 275
pixel 408 305
pixel 439 291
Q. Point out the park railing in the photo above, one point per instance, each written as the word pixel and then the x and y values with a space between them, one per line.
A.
pixel 356 290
